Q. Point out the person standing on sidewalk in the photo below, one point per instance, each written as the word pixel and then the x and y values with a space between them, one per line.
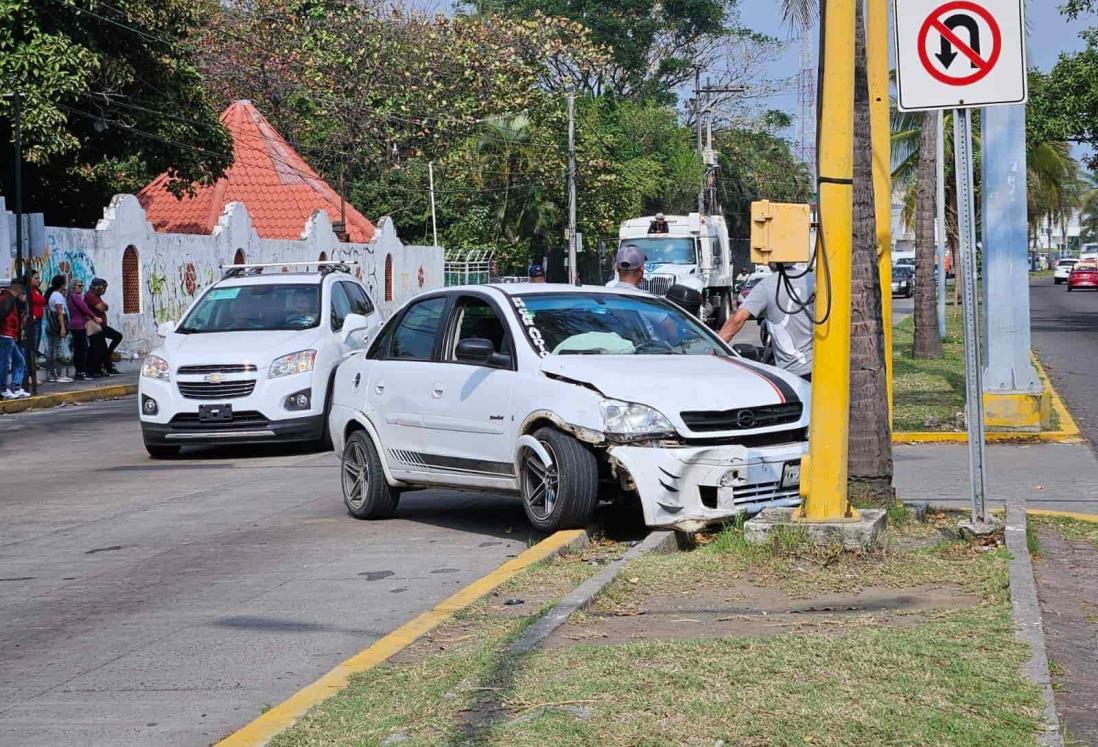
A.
pixel 57 329
pixel 38 309
pixel 100 356
pixel 79 316
pixel 12 364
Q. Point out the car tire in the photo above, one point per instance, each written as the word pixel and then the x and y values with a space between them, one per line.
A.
pixel 161 451
pixel 564 495
pixel 366 492
pixel 1057 281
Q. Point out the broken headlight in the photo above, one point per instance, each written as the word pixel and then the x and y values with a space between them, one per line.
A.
pixel 632 420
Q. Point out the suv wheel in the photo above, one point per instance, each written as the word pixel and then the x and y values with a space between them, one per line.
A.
pixel 366 493
pixel 561 495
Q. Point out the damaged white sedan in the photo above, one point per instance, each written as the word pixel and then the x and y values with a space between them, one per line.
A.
pixel 566 396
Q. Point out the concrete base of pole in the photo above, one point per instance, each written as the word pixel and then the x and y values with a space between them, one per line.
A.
pixel 864 533
pixel 970 529
pixel 1018 411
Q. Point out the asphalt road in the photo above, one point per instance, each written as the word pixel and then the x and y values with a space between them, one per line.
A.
pixel 165 603
pixel 1065 335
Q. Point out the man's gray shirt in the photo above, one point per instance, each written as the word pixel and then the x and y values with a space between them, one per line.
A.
pixel 790 331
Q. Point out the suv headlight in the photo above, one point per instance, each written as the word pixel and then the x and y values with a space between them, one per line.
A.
pixel 294 363
pixel 632 420
pixel 155 367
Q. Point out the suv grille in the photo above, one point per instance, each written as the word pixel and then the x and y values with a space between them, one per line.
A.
pixel 219 390
pixel 658 285
pixel 243 420
pixel 217 368
pixel 744 418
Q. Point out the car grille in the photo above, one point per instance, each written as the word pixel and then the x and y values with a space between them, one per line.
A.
pixel 658 285
pixel 745 495
pixel 743 418
pixel 227 368
pixel 243 420
pixel 218 390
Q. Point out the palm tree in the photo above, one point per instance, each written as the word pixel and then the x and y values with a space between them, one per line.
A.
pixel 1055 186
pixel 870 443
pixel 1088 209
pixel 927 342
pixel 505 144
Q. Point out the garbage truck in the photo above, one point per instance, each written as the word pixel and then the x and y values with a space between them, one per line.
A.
pixel 691 250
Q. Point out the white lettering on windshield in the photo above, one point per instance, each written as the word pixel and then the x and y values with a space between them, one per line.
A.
pixel 532 332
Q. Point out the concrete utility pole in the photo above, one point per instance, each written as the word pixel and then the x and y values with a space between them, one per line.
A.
pixel 573 275
pixel 707 195
pixel 698 109
pixel 431 180
pixel 825 484
pixel 1013 391
pixel 940 203
pixel 876 45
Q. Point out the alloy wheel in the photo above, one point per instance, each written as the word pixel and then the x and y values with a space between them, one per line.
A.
pixel 356 474
pixel 541 483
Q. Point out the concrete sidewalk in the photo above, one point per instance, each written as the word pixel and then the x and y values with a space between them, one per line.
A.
pixel 1058 477
pixel 52 395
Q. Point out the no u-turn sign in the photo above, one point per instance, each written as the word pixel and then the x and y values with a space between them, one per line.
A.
pixel 959 53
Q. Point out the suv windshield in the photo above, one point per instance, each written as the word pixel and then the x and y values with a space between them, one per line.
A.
pixel 606 324
pixel 665 250
pixel 254 307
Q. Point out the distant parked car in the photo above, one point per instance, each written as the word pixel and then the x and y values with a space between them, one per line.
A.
pixel 903 281
pixel 1063 270
pixel 1083 276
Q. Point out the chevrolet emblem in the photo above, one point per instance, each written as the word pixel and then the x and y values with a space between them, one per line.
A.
pixel 214 378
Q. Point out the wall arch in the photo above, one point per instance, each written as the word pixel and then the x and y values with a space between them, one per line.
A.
pixel 388 277
pixel 131 281
pixel 239 258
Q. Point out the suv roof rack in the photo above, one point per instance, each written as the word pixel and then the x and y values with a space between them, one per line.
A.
pixel 324 267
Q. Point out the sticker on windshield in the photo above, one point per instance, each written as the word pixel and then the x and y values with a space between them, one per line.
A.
pixel 532 332
pixel 223 294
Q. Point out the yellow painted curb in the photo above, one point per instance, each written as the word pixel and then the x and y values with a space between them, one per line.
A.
pixel 263 729
pixel 1091 518
pixel 1069 432
pixel 65 398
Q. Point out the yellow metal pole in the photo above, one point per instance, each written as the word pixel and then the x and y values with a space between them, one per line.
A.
pixel 825 488
pixel 876 37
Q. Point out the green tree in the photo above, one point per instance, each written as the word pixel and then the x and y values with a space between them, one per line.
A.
pixel 110 98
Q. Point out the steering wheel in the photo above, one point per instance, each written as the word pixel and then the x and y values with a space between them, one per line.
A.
pixel 658 346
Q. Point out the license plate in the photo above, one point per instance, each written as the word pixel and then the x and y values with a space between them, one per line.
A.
pixel 215 413
pixel 791 474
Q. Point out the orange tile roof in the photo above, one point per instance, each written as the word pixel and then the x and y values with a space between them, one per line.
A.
pixel 279 189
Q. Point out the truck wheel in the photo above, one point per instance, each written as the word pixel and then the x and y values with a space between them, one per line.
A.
pixel 161 451
pixel 723 309
pixel 366 493
pixel 561 495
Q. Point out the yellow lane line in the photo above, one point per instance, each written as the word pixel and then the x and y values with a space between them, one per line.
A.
pixel 1092 518
pixel 263 729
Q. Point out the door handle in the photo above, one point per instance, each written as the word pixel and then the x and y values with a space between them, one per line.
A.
pixel 437 390
pixel 379 387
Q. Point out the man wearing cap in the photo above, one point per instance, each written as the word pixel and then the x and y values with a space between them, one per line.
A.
pixel 658 224
pixel 629 263
pixel 537 274
pixel 100 356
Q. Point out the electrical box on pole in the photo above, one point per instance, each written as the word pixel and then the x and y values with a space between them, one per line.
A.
pixel 780 232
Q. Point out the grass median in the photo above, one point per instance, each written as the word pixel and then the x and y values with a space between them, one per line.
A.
pixel 726 644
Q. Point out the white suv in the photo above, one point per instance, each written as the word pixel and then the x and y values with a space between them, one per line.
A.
pixel 1063 270
pixel 253 359
pixel 566 396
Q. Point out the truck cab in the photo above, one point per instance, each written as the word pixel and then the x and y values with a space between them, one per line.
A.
pixel 693 251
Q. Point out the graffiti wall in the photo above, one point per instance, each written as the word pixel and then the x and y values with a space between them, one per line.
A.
pixel 174 269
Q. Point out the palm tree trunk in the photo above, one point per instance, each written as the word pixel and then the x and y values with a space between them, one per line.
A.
pixel 870 456
pixel 927 342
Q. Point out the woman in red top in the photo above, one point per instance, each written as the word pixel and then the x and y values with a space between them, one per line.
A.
pixel 38 308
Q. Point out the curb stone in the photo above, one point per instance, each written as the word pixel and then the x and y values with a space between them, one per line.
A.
pixel 1027 620
pixel 581 597
pixel 44 401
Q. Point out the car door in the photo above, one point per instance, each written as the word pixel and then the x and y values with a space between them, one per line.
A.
pixel 399 377
pixel 467 417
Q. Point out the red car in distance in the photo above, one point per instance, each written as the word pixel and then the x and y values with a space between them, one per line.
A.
pixel 1083 276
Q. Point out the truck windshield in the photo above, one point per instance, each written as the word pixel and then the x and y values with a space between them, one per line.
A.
pixel 254 307
pixel 610 324
pixel 665 250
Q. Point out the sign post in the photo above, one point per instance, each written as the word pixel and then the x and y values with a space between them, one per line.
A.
pixel 963 54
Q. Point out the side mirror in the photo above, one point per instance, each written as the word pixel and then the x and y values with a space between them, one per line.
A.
pixel 751 352
pixel 165 328
pixel 475 350
pixel 353 323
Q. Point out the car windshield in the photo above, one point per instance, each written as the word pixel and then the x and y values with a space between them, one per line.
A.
pixel 607 324
pixel 254 307
pixel 665 250
pixel 903 272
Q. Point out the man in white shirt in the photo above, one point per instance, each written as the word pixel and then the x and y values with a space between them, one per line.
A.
pixel 629 263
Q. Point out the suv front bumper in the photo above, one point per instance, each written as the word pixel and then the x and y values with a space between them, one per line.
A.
pixel 180 432
pixel 689 487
